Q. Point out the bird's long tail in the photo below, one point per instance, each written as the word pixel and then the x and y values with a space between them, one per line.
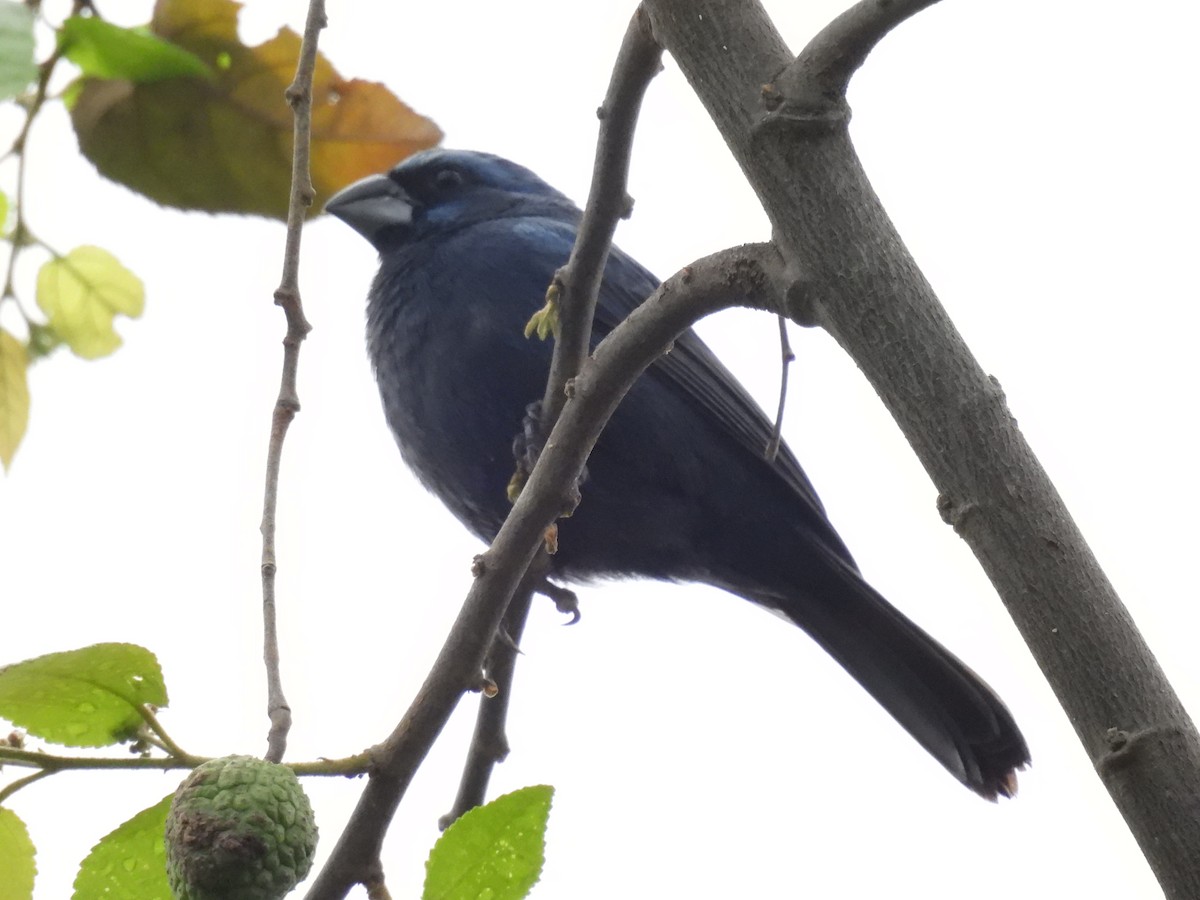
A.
pixel 939 701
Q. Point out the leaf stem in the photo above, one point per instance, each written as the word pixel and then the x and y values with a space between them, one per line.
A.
pixel 167 744
pixel 11 789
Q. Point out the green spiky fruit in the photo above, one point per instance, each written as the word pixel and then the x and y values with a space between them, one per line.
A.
pixel 239 828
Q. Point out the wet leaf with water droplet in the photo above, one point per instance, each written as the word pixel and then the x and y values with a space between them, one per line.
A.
pixel 82 698
pixel 129 861
pixel 494 852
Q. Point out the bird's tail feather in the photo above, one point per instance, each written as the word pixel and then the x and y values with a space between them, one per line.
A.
pixel 939 700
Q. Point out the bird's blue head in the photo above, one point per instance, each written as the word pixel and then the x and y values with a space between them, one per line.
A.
pixel 438 191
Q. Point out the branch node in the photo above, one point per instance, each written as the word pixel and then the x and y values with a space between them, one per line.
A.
pixel 571 500
pixel 803 118
pixel 799 301
pixel 956 514
pixel 287 407
pixel 771 97
pixel 376 887
pixel 1122 749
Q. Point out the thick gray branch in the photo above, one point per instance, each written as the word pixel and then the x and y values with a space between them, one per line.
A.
pixel 861 284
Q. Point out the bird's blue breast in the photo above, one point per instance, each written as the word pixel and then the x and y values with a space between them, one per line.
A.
pixel 446 336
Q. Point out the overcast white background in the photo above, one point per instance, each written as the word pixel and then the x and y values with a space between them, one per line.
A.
pixel 1039 160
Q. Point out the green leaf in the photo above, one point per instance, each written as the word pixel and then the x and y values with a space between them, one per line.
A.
pixel 82 292
pixel 16 858
pixel 3 212
pixel 83 698
pixel 17 69
pixel 495 851
pixel 104 50
pixel 14 396
pixel 129 862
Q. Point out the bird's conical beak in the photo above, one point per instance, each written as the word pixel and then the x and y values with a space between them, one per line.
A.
pixel 371 205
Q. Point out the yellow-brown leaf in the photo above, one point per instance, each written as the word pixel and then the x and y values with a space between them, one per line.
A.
pixel 225 144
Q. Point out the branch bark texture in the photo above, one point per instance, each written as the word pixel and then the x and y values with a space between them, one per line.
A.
pixel 853 276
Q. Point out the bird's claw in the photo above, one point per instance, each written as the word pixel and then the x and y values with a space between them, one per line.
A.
pixel 527 449
pixel 565 600
pixel 528 444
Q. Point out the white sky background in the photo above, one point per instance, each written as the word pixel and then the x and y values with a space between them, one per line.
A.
pixel 1039 160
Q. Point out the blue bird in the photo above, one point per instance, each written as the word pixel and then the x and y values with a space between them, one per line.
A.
pixel 677 488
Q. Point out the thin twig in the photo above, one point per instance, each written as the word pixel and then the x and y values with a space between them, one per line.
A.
pixel 287 404
pixel 347 767
pixel 638 61
pixel 577 285
pixel 20 234
pixel 788 357
pixel 35 759
pixel 752 276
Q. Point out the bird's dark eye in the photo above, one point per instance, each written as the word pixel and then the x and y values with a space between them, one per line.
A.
pixel 446 179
